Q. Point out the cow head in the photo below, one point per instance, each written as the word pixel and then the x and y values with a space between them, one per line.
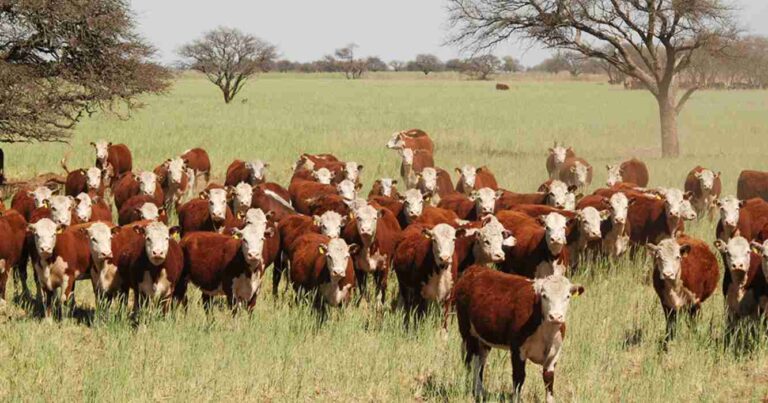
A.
pixel 443 237
pixel 347 189
pixel 490 241
pixel 485 201
pixel 396 142
pixel 217 204
pixel 580 173
pixel 242 199
pixel 100 241
pixel 428 181
pixel 256 216
pixel 93 178
pixel 252 239
pixel 41 196
pixel 102 150
pixel 330 223
pixel 559 195
pixel 729 212
pixel 44 233
pixel 706 179
pixel 367 219
pixel 157 237
pixel 614 175
pixel 323 175
pixel 149 211
pixel 337 254
pixel 413 204
pixel 590 221
pixel 762 250
pixel 667 258
pixel 257 171
pixel 469 174
pixel 61 209
pixel 147 183
pixel 559 153
pixel 352 171
pixel 620 208
pixel 177 168
pixel 554 231
pixel 736 255
pixel 387 185
pixel 83 207
pixel 554 293
pixel 677 206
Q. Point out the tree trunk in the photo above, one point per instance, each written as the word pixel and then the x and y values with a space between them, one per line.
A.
pixel 670 145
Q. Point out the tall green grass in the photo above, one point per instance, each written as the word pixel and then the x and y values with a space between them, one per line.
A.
pixel 280 352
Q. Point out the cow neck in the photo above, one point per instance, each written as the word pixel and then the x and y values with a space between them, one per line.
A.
pixel 675 288
pixel 736 290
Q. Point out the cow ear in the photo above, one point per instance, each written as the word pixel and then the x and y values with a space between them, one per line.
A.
pixel 499 193
pixel 269 232
pixel 161 210
pixel 577 289
pixel 742 203
pixel 473 195
pixel 358 186
pixel 717 175
pixel 688 195
pixel 607 167
pixel 394 181
pixel 360 167
pixel 92 144
pixel 83 231
pixel 316 220
pixel 719 245
pixel 114 230
pixel 109 144
pixel 427 233
pixel 139 229
pixel 572 188
pixel 60 228
pixel 540 220
pixel 380 213
pixel 322 249
pixel 354 248
pixel 236 234
pixel 652 248
pixel 757 248
pixel 458 171
pixel 205 194
pixel 631 201
pixel 604 215
pixel 551 150
pixel 685 250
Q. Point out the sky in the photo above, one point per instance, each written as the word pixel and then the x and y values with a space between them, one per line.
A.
pixel 306 30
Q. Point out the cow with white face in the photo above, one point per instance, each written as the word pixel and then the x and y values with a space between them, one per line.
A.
pixel 707 179
pixel 156 240
pixel 737 258
pixel 242 198
pixel 468 175
pixel 256 216
pixel 41 196
pixel 580 175
pixel 396 142
pixel 347 189
pixel 557 156
pixel 337 254
pixel 554 229
pixel 102 151
pixel 614 175
pixel 93 179
pixel 485 201
pixel 147 183
pixel 707 191
pixel 366 219
pixel 560 195
pixel 667 257
pixel 104 276
pixel 729 207
pixel 217 204
pixel 176 183
pixel 413 204
pixel 51 272
pixel 61 209
pixel 83 207
pixel 616 241
pixel 323 175
pixel 762 250
pixel 490 241
pixel 149 211
pixel 677 206
pixel 407 172
pixel 352 171
pixel 589 222
pixel 257 171
pixel 330 223
pixel 44 235
pixel 443 238
pixel 246 287
pixel 428 183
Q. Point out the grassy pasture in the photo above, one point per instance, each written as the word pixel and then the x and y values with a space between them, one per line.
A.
pixel 280 354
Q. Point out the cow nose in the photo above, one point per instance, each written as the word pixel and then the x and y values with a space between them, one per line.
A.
pixel 620 220
pixel 554 317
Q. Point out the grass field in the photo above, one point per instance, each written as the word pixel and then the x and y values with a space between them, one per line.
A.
pixel 280 354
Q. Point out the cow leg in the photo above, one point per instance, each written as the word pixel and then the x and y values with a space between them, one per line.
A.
pixel 362 282
pixel 478 362
pixel 518 370
pixel 381 277
pixel 549 383
pixel 671 316
pixel 278 268
pixel 21 274
pixel 47 298
pixel 207 303
pixel 180 292
pixel 3 283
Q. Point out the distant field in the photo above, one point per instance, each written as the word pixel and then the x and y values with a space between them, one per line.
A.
pixel 279 354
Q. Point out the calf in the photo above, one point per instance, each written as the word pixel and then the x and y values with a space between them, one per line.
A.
pixel 129 185
pixel 413 139
pixel 742 280
pixel 236 269
pixel 88 209
pixel 25 201
pixel 386 187
pixel 173 178
pixel 209 212
pixel 541 244
pixel 242 199
pixel 685 274
pixel 323 266
pixel 742 217
pixel 752 184
pixel 526 317
pixel 412 164
pixel 13 229
pixel 471 179
pixel 556 158
pixel 84 181
pixel 631 171
pixel 114 160
pixel 576 172
pixel 198 161
pixel 502 87
pixel 706 188
pixel 250 172
pixel 139 208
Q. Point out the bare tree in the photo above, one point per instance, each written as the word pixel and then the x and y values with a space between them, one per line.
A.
pixel 228 57
pixel 481 67
pixel 427 63
pixel 397 65
pixel 652 41
pixel 374 63
pixel 352 68
pixel 574 62
pixel 63 60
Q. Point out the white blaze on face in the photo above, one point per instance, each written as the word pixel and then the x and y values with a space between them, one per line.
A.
pixel 176 170
pixel 706 179
pixel 256 216
pixel 352 171
pixel 84 207
pixel 323 175
pixel 729 211
pixel 61 209
pixel 428 180
pixel 580 172
pixel 41 195
pixel 387 184
pixel 93 178
pixel 243 197
pixel 156 240
pixel 557 195
pixel 149 211
pixel 100 240
pixel 330 224
pixel 614 175
pixel 674 204
pixel 336 257
pixel 443 238
pixel 555 293
pixel 413 203
pixel 217 204
pixel 589 222
pixel 689 213
pixel 102 150
pixel 347 189
pixel 619 208
pixel 667 258
pixel 367 219
pixel 257 171
pixel 44 233
pixel 147 183
pixel 252 244
pixel 554 228
pixel 485 201
pixel 491 239
pixel 396 142
pixel 470 174
pixel 736 252
pixel 559 152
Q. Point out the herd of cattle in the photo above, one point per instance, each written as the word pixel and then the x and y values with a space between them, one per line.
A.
pixel 439 238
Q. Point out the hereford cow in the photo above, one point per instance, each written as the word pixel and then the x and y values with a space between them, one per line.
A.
pixel 742 278
pixel 413 139
pixel 267 200
pixel 25 201
pixel 556 158
pixel 323 266
pixel 587 233
pixel 555 193
pixel 114 160
pixel 706 188
pixel 250 172
pixel 526 317
pixel 84 181
pixel 303 192
pixel 129 185
pixel 752 184
pixel 89 209
pixel 761 295
pixel 141 208
pixel 199 163
pixel 393 204
pixel 685 274
pixel 471 179
pixel 541 244
pixel 483 242
pixel 386 187
pixel 209 212
pixel 242 199
pixel 652 219
pixel 60 209
pixel 743 217
pixel 412 164
pixel 479 204
pixel 631 171
pixel 13 230
pixel 173 178
pixel 576 172
pixel 106 280
pixel 435 183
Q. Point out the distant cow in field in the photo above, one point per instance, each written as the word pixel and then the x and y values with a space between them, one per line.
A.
pixel 502 87
pixel 555 193
pixel 413 139
pixel 556 158
pixel 479 204
pixel 705 186
pixel 576 172
pixel 471 178
pixel 386 187
pixel 209 212
pixel 541 244
pixel 526 317
pixel 143 183
pixel 83 181
pixel 752 184
pixel 631 171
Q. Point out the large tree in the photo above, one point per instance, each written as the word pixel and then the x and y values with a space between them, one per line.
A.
pixel 481 67
pixel 228 57
pixel 426 63
pixel 652 41
pixel 61 60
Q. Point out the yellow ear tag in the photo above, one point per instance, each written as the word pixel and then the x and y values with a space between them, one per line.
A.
pixel 321 251
pixel 59 230
pixel 755 251
pixel 236 236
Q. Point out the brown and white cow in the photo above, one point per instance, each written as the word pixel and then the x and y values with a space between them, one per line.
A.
pixel 556 158
pixel 630 171
pixel 105 278
pixel 413 139
pixel 588 231
pixel 576 172
pixel 742 275
pixel 386 187
pixel 174 181
pixel 209 212
pixel 84 181
pixel 242 199
pixel 88 209
pixel 552 193
pixel 114 160
pixel 541 244
pixel 685 274
pixel 484 242
pixel 511 312
pixel 143 183
pixel 745 217
pixel 706 187
pixel 479 204
pixel 752 184
pixel 13 229
pixel 761 293
pixel 198 161
pixel 471 179
pixel 250 172
pixel 157 273
pixel 616 238
pixel 26 201
pixel 139 208
pixel 653 218
pixel 413 162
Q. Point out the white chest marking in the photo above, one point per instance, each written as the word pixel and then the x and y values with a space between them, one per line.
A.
pixel 106 279
pixel 543 346
pixel 438 287
pixel 370 263
pixel 333 294
pixel 245 287
pixel 158 289
pixel 546 269
pixel 52 276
